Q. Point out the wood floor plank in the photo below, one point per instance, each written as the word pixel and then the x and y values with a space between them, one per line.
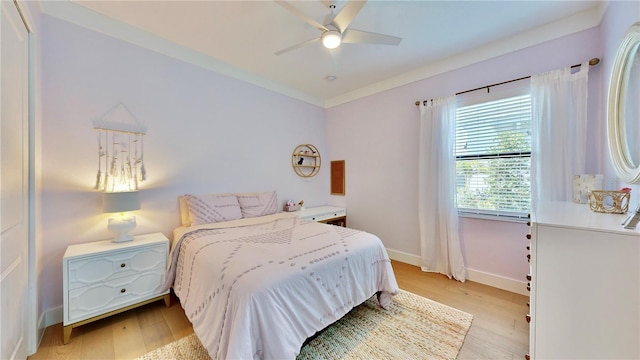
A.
pixel 127 337
pixel 52 347
pixel 97 340
pixel 475 348
pixel 150 314
pixel 177 321
pixel 156 335
pixel 498 331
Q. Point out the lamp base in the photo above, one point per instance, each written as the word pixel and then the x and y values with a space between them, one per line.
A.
pixel 121 227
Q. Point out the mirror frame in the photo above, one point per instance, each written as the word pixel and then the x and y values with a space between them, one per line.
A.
pixel 619 151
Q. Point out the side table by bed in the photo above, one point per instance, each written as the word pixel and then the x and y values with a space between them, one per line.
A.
pixel 333 215
pixel 104 278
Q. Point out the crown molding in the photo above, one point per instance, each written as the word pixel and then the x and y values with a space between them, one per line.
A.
pixel 76 14
pixel 579 22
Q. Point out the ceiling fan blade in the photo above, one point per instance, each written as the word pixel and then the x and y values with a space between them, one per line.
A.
pixel 305 43
pixel 359 36
pixel 301 15
pixel 346 15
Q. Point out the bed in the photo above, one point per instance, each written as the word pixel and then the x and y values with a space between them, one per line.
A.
pixel 258 283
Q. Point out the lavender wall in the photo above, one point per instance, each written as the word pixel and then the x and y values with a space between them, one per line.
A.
pixel 378 138
pixel 211 133
pixel 206 133
pixel 619 16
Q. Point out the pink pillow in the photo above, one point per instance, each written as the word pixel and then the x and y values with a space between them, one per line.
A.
pixel 207 209
pixel 258 204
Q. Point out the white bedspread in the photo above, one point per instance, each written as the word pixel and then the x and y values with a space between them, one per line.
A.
pixel 258 288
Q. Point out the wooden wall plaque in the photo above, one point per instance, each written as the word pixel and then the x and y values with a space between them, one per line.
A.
pixel 337 177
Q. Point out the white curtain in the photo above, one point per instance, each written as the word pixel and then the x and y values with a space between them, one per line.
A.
pixel 559 132
pixel 438 215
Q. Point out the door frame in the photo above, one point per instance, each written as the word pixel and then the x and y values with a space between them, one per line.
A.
pixel 33 335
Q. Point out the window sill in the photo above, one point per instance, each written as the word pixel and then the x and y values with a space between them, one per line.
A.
pixel 504 218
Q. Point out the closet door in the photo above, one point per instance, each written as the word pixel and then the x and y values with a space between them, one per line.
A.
pixel 14 194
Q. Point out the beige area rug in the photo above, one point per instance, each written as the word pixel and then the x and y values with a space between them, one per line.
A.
pixel 413 328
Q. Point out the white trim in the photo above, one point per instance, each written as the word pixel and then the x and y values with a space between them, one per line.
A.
pixel 579 22
pixel 497 281
pixel 48 318
pixel 493 280
pixel 86 18
pixel 404 257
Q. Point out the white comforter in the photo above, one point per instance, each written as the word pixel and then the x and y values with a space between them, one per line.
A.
pixel 257 288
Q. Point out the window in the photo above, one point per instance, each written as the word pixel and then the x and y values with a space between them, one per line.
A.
pixel 493 155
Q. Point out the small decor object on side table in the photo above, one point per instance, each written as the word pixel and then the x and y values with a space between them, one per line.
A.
pixel 290 206
pixel 584 183
pixel 610 201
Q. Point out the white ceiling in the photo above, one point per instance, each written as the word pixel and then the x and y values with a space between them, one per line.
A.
pixel 437 36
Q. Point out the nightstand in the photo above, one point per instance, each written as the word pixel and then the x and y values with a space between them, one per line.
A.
pixel 104 278
pixel 326 214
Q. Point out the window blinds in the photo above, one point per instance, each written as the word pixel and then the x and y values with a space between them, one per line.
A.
pixel 493 157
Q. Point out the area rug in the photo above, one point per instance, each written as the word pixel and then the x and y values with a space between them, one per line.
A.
pixel 413 328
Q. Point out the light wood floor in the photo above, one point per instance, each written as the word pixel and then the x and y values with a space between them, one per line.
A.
pixel 498 331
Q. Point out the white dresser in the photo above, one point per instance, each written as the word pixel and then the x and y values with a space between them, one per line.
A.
pixel 105 278
pixel 585 284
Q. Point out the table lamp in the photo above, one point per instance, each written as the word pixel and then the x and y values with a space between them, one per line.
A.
pixel 120 202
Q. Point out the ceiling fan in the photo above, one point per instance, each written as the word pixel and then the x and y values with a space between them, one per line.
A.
pixel 336 31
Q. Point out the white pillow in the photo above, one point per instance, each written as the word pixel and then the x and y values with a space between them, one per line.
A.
pixel 258 204
pixel 207 209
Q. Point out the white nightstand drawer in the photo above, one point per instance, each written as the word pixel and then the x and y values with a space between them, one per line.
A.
pixel 103 278
pixel 102 297
pixel 326 216
pixel 89 270
pixel 322 213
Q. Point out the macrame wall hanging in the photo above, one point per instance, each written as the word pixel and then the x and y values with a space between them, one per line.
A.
pixel 120 150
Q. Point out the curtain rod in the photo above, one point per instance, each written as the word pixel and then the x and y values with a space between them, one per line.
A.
pixel 592 62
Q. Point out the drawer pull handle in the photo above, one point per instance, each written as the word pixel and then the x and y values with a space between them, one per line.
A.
pixel 123 265
pixel 528 317
pixel 314 218
pixel 528 247
pixel 529 236
pixel 529 277
pixel 123 290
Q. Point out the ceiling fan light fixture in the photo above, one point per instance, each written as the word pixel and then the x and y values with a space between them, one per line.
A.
pixel 331 39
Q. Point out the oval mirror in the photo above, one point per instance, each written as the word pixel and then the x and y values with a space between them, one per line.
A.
pixel 623 117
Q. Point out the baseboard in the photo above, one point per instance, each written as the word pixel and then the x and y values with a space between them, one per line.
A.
pixel 497 281
pixel 404 257
pixel 48 318
pixel 493 280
